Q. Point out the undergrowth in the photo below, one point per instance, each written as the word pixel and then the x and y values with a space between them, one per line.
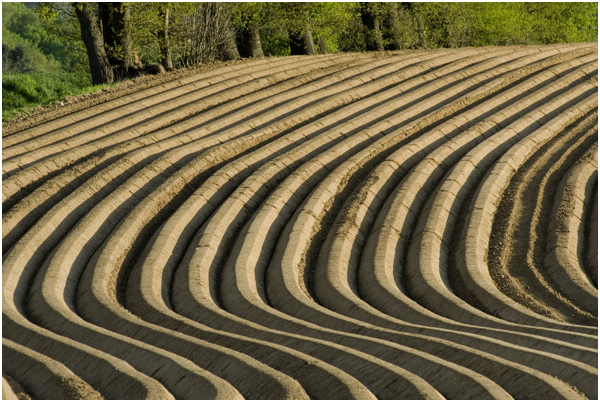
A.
pixel 23 92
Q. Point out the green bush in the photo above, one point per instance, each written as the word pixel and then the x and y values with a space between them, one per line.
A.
pixel 23 33
pixel 21 92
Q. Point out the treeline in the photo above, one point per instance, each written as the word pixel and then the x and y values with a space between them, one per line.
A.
pixel 115 40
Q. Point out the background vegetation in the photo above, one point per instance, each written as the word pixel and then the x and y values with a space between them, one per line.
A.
pixel 44 57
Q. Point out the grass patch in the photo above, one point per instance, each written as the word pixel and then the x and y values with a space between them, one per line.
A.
pixel 23 92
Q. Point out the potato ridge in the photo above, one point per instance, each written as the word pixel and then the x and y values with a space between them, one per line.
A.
pixel 418 224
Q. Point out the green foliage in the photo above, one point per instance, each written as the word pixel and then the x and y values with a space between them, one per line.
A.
pixel 353 38
pixel 500 24
pixel 22 29
pixel 488 24
pixel 145 25
pixel 50 37
pixel 275 42
pixel 333 21
pixel 264 14
pixel 563 22
pixel 21 92
pixel 446 24
pixel 16 59
pixel 60 22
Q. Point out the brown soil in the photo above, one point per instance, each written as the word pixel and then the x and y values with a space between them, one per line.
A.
pixel 517 251
pixel 263 229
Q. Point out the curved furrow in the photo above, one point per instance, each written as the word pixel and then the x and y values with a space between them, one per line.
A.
pixel 374 279
pixel 565 253
pixel 52 305
pixel 149 118
pixel 150 148
pixel 261 237
pixel 553 151
pixel 107 114
pixel 425 271
pixel 74 197
pixel 326 227
pixel 161 192
pixel 220 220
pixel 48 308
pixel 112 377
pixel 29 209
pixel 18 219
pixel 17 185
pixel 342 254
pixel 43 377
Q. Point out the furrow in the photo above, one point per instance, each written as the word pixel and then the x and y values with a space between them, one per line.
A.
pixel 425 274
pixel 565 254
pixel 289 104
pixel 43 377
pixel 535 184
pixel 75 197
pixel 377 281
pixel 29 210
pixel 151 119
pixel 148 118
pixel 263 236
pixel 20 217
pixel 424 105
pixel 334 269
pixel 161 192
pixel 116 108
pixel 393 225
pixel 220 220
pixel 52 306
pixel 113 378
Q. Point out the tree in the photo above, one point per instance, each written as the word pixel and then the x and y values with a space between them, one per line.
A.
pixel 302 39
pixel 115 19
pixel 331 21
pixel 248 41
pixel 92 37
pixel 230 49
pixel 393 27
pixel 166 58
pixel 563 22
pixel 370 18
pixel 249 19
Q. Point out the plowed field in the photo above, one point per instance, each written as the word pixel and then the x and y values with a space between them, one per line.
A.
pixel 408 225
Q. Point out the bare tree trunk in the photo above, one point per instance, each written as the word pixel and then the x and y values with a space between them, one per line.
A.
pixel 255 41
pixel 394 27
pixel 322 45
pixel 370 19
pixel 163 39
pixel 421 32
pixel 309 42
pixel 92 38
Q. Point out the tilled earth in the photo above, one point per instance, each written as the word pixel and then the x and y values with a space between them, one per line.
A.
pixel 401 225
